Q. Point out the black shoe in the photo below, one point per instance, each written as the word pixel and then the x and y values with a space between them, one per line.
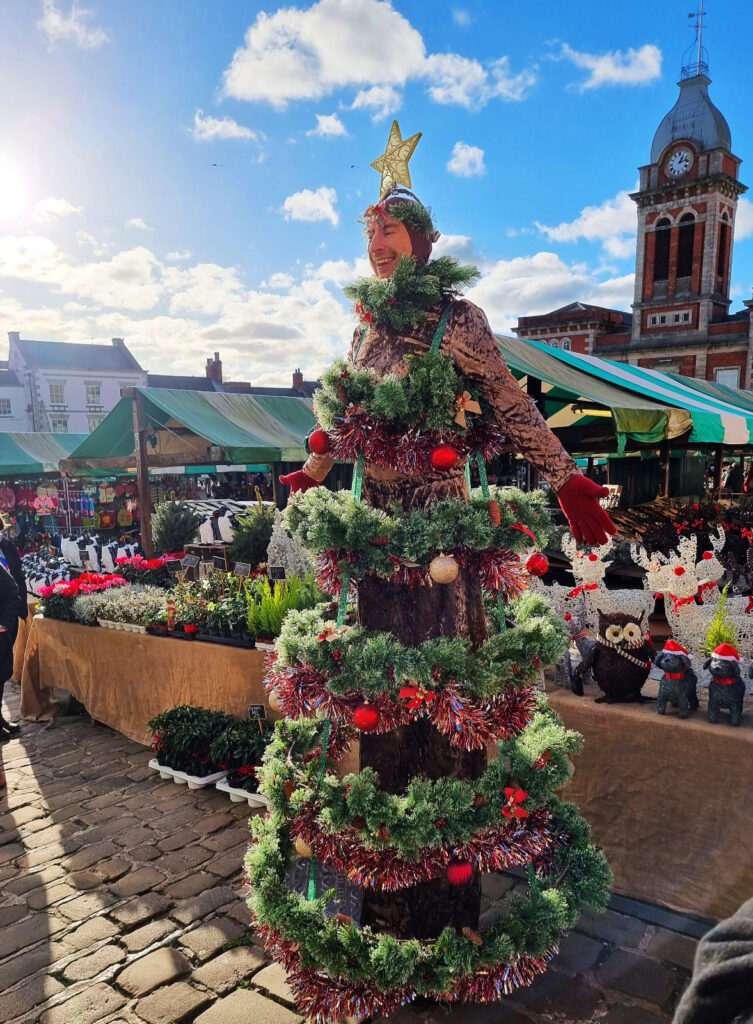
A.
pixel 9 728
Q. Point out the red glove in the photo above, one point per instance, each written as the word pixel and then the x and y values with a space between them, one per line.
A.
pixel 579 500
pixel 298 481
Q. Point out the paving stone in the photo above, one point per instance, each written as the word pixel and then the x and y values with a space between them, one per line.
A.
pixel 136 882
pixel 12 913
pixel 24 965
pixel 12 850
pixel 638 976
pixel 27 882
pixel 48 854
pixel 624 1014
pixel 223 840
pixel 84 879
pixel 212 823
pixel 467 1013
pixel 176 841
pixel 141 836
pixel 147 935
pixel 94 930
pixel 115 867
pixel 613 927
pixel 87 967
pixel 672 947
pixel 86 906
pixel 208 939
pixel 15 819
pixel 577 953
pixel 225 971
pixel 37 990
pixel 144 851
pixel 575 998
pixel 240 912
pixel 191 885
pixel 47 895
pixel 179 862
pixel 140 773
pixel 140 909
pixel 496 884
pixel 88 1006
pixel 274 981
pixel 173 1003
pixel 110 830
pixel 51 834
pixel 149 972
pixel 91 854
pixel 26 933
pixel 229 864
pixel 243 1006
pixel 198 907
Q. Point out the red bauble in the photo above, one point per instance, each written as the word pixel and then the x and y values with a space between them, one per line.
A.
pixel 444 456
pixel 319 441
pixel 366 718
pixel 537 564
pixel 460 872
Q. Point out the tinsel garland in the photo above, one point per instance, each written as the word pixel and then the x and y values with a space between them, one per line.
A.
pixel 326 1000
pixel 497 848
pixel 406 451
pixel 498 571
pixel 470 724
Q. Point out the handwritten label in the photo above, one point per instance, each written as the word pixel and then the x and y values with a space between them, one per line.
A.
pixel 257 711
pixel 190 561
pixel 242 569
pixel 276 572
pixel 173 565
pixel 219 562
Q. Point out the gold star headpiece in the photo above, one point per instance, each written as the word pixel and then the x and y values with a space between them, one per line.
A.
pixel 393 163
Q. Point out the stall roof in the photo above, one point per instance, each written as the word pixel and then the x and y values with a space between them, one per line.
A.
pixel 22 454
pixel 247 428
pixel 639 396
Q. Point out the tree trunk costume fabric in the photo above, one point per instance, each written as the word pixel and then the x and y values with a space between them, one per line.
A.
pixel 12 557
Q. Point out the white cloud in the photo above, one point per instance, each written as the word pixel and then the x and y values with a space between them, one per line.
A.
pixel 743 219
pixel 205 288
pixel 308 205
pixel 613 223
pixel 328 125
pixel 205 129
pixel 278 281
pixel 179 254
pixel 50 209
pixel 461 17
pixel 466 161
pixel 635 67
pixel 381 100
pixel 468 83
pixel 297 54
pixel 138 224
pixel 72 28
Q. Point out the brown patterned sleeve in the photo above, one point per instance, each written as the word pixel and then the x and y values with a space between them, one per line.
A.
pixel 471 343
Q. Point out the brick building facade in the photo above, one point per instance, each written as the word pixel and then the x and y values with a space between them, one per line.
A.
pixel 686 205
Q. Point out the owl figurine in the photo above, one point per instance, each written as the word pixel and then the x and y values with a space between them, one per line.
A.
pixel 620 659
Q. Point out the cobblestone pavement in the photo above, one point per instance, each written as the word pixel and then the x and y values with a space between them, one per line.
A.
pixel 120 904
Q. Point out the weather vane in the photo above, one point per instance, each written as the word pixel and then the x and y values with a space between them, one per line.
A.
pixel 393 163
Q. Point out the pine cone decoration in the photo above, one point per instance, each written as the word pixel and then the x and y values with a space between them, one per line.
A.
pixel 381 541
pixel 288 788
pixel 494 513
pixel 468 933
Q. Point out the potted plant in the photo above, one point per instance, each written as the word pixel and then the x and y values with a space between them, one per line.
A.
pixel 182 739
pixel 239 748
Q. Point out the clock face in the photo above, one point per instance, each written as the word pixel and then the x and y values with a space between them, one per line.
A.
pixel 679 163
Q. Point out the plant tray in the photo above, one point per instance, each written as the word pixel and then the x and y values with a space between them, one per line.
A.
pixel 183 778
pixel 226 640
pixel 180 635
pixel 264 645
pixel 238 795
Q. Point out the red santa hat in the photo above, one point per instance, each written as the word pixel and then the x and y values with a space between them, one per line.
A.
pixel 672 647
pixel 726 652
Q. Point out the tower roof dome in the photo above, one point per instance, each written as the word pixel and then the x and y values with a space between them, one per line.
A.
pixel 692 117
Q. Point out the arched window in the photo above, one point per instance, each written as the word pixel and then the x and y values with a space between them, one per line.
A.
pixel 566 346
pixel 661 252
pixel 554 343
pixel 685 242
pixel 721 257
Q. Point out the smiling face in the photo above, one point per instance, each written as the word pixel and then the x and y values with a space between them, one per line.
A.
pixel 388 241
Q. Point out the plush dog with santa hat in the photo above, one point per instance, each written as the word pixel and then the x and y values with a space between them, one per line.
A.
pixel 726 688
pixel 678 684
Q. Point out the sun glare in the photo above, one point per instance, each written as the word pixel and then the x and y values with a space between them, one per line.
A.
pixel 13 191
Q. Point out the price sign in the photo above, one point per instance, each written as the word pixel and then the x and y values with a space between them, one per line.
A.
pixel 276 572
pixel 190 561
pixel 173 565
pixel 257 711
pixel 219 562
pixel 242 569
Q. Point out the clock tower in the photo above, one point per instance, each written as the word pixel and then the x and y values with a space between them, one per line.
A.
pixel 686 217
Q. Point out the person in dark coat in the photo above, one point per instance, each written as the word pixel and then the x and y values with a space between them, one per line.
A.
pixel 11 560
pixel 9 607
pixel 721 989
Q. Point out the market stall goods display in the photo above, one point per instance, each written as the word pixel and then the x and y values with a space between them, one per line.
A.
pixel 365 884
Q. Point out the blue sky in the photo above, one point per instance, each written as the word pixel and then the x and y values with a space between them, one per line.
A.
pixel 189 174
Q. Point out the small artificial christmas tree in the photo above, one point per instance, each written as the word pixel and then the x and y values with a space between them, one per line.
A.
pixel 288 552
pixel 174 525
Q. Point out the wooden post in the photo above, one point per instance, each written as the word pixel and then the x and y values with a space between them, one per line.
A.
pixel 665 464
pixel 535 392
pixel 718 473
pixel 142 472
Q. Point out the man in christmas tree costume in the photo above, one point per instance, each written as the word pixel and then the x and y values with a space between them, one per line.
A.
pixel 411 309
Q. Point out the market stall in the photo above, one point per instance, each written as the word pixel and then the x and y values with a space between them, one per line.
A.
pixel 125 679
pixel 669 801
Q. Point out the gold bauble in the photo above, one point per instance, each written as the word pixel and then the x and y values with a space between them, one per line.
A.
pixel 443 569
pixel 274 701
pixel 303 849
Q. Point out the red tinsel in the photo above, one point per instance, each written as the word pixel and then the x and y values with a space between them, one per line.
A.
pixel 409 452
pixel 468 722
pixel 499 571
pixel 327 1000
pixel 512 844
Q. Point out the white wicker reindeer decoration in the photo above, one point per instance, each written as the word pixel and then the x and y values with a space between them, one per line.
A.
pixel 589 570
pixel 710 570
